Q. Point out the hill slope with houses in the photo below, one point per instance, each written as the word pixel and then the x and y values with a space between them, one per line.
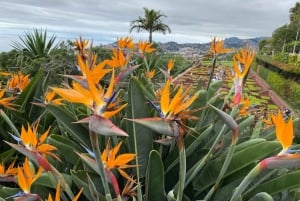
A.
pixel 202 48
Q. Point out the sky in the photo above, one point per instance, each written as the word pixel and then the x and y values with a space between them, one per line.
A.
pixel 103 21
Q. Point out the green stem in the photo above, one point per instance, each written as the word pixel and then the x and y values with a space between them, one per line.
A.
pixel 212 71
pixel 263 196
pixel 261 180
pixel 9 122
pixel 198 166
pixel 95 147
pixel 222 172
pixel 58 176
pixel 139 190
pixel 246 181
pixel 182 174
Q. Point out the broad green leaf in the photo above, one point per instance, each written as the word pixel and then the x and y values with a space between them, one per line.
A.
pixel 225 192
pixel 92 188
pixel 212 90
pixel 8 191
pixel 189 149
pixel 249 143
pixel 81 181
pixel 147 88
pixel 140 138
pixel 27 112
pixel 66 147
pixel 257 128
pixel 154 184
pixel 262 197
pixel 90 162
pixel 7 155
pixel 281 183
pixel 29 92
pixel 246 123
pixel 78 131
pixel 46 181
pixel 254 152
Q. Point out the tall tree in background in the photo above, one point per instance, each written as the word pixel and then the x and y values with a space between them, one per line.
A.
pixel 295 13
pixel 281 37
pixel 35 44
pixel 295 21
pixel 151 22
pixel 284 38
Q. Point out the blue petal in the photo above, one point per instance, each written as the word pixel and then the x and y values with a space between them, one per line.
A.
pixel 19 194
pixel 156 107
pixel 19 140
pixel 92 154
pixel 290 151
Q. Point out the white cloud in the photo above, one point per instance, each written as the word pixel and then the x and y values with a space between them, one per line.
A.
pixel 104 21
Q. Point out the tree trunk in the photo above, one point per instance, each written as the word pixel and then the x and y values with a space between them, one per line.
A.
pixel 294 48
pixel 150 36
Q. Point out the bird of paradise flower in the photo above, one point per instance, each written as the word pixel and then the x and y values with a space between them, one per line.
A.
pixel 33 146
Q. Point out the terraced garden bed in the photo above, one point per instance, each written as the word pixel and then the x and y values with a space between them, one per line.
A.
pixel 263 99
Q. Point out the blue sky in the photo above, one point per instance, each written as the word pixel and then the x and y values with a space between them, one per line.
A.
pixel 195 21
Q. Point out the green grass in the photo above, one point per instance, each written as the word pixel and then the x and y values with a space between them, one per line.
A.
pixel 223 63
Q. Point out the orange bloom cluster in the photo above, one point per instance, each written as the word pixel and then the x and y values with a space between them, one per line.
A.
pixel 57 195
pixel 284 130
pixel 86 89
pixel 217 47
pixel 15 85
pixel 11 170
pixel 176 107
pixel 112 161
pixel 242 61
pixel 27 176
pixel 241 64
pixel 7 101
pixel 34 143
pixel 17 82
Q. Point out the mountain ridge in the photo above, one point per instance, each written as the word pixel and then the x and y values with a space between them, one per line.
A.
pixel 231 42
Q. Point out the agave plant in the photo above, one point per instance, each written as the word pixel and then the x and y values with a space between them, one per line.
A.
pixel 36 44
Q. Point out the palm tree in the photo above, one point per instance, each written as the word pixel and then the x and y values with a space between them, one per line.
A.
pixel 151 22
pixel 35 45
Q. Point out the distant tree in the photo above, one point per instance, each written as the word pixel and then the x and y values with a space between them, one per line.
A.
pixel 35 44
pixel 281 36
pixel 262 44
pixel 295 21
pixel 151 22
pixel 8 59
pixel 295 13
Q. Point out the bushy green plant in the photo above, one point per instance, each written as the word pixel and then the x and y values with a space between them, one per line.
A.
pixel 286 88
pixel 276 81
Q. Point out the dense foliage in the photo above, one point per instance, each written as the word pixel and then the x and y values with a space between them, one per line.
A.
pixel 117 131
pixel 284 38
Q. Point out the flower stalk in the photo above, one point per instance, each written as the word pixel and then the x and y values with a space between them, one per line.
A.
pixel 9 122
pixel 211 72
pixel 182 174
pixel 225 164
pixel 246 181
pixel 95 147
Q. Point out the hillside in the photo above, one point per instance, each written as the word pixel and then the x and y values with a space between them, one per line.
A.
pixel 232 42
